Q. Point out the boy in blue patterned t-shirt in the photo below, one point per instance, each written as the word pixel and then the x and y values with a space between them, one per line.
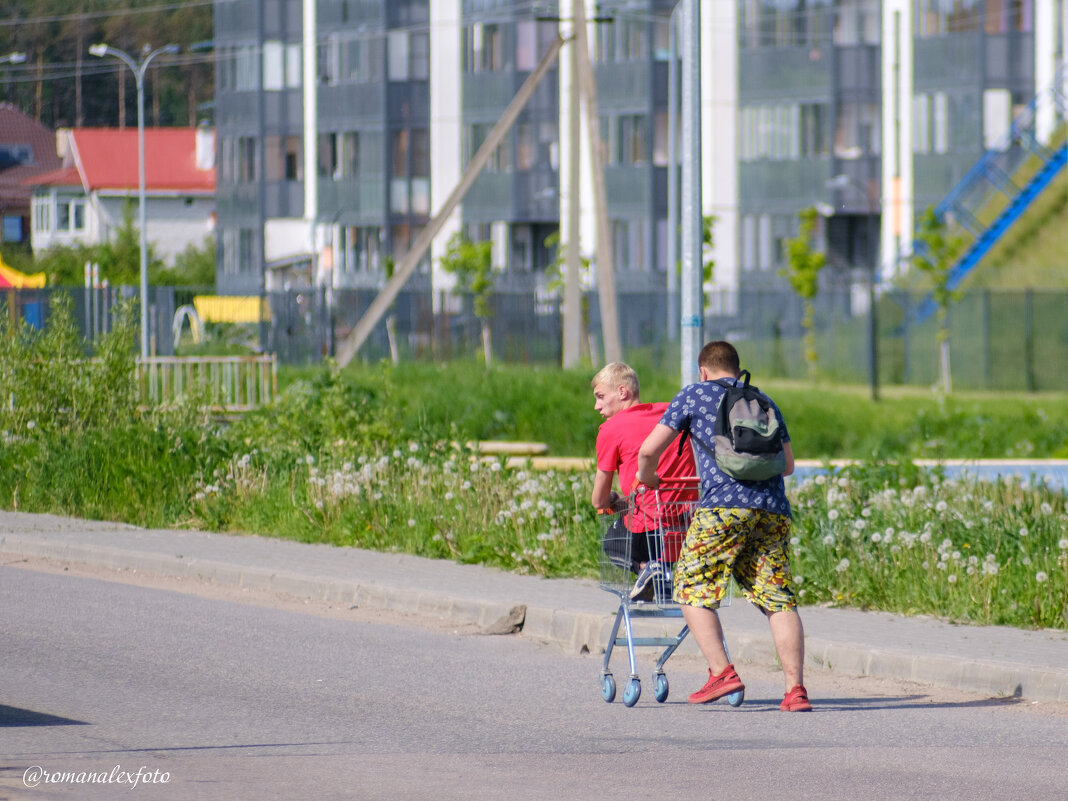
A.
pixel 740 529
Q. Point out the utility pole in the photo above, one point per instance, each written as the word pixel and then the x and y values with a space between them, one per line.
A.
pixel 606 280
pixel 692 300
pixel 348 348
pixel 572 310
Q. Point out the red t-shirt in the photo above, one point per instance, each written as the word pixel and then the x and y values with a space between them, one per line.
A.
pixel 618 440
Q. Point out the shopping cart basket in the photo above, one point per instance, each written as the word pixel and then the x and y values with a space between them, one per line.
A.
pixel 662 517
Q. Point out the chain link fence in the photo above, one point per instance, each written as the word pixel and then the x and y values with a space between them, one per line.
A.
pixel 999 340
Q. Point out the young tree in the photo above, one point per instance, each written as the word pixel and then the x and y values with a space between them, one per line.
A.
pixel 472 264
pixel 555 274
pixel 389 266
pixel 803 273
pixel 934 258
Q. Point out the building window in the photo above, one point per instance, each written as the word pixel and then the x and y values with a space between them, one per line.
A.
pixel 483 48
pixel 419 54
pixel 362 248
pixel 294 158
pixel 42 215
pixel 363 59
pixel 273 66
pixel 791 23
pixel 939 17
pixel 398 55
pixel 281 65
pixel 246 69
pixel 859 132
pixel 246 160
pixel 858 22
pixel 238 250
pixel 474 136
pixel 349 154
pixel 526 51
pixel 661 137
pixel 70 215
pixel 12 229
pixel 997 117
pixel 329 163
pixel 294 60
pixel 632 140
pixel 814 130
pixel 329 66
pixel 524 146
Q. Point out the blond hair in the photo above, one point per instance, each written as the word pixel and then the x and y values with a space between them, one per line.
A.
pixel 618 374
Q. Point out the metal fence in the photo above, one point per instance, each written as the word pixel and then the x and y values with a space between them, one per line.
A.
pixel 998 339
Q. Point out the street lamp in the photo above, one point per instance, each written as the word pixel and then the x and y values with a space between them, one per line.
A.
pixel 13 58
pixel 101 50
pixel 841 181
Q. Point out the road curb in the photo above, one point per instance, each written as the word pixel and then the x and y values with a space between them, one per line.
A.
pixel 576 632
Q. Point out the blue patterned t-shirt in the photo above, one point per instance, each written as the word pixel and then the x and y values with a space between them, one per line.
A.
pixel 696 406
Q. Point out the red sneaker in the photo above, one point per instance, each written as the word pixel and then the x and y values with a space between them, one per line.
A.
pixel 716 687
pixel 796 700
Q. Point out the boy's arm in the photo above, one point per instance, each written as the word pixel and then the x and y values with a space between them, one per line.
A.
pixel 649 454
pixel 602 489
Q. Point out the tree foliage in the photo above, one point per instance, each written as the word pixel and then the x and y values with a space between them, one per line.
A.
pixel 802 270
pixel 472 264
pixel 934 257
pixel 62 85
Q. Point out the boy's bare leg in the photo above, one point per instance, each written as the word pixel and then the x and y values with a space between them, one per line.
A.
pixel 789 637
pixel 708 634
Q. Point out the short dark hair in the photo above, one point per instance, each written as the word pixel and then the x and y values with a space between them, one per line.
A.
pixel 720 356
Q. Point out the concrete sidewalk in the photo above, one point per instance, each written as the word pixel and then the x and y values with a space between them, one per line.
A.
pixel 575 614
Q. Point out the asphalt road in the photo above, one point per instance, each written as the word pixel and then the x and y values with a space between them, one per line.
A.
pixel 236 700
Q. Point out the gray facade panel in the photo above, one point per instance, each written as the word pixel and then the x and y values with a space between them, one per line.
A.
pixel 943 62
pixel 799 73
pixel 343 107
pixel 623 86
pixel 353 201
pixel 487 94
pixel 490 198
pixel 782 187
pixel 627 190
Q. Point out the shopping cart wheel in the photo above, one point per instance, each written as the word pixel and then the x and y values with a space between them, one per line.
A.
pixel 661 687
pixel 633 692
pixel 735 699
pixel 608 688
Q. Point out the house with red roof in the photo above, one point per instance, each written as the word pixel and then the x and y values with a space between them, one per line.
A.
pixel 27 149
pixel 86 199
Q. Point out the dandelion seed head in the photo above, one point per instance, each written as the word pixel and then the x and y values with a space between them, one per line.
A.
pixel 1041 577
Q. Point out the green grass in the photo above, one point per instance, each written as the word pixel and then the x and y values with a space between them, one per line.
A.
pixel 825 421
pixel 375 457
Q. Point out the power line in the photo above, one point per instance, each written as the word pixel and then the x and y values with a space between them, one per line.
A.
pixel 122 12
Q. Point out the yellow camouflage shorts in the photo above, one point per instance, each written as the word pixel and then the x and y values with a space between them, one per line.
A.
pixel 752 545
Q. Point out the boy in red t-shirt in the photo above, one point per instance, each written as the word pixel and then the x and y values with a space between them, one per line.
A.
pixel 627 423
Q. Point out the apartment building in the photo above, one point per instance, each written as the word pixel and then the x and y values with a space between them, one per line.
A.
pixel 324 186
pixel 868 110
pixel 872 111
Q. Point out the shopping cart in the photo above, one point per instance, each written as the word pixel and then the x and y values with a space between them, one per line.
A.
pixel 664 515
